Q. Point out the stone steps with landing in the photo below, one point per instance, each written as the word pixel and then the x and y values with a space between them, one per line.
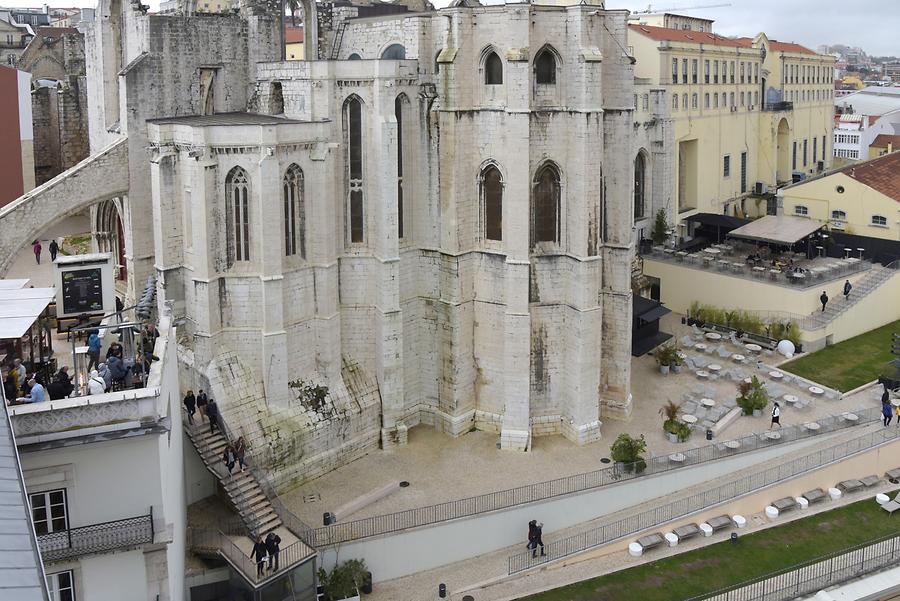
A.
pixel 836 307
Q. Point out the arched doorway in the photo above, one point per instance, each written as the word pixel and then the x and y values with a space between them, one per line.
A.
pixel 782 153
pixel 109 235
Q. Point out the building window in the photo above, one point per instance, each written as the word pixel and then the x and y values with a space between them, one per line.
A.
pixel 755 98
pixel 716 100
pixel 838 215
pixel 794 157
pixel 645 100
pixel 743 172
pixel 684 101
pixel 706 71
pixel 492 202
pixel 694 100
pixel 742 71
pixel 493 70
pixel 731 98
pixel 48 511
pixel 694 67
pixel 726 166
pixel 545 67
pixel 731 70
pixel 237 197
pixel 815 149
pixel 353 138
pixel 545 203
pixel 294 212
pixel 61 586
pixel 674 102
pixel 394 52
pixel 879 220
pixel 706 100
pixel 684 67
pixel 824 148
pixel 801 210
pixel 755 72
pixel 805 143
pixel 716 71
pixel 640 180
pixel 674 70
pixel 742 99
pixel 399 102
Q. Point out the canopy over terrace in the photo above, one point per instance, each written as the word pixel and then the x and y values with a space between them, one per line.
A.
pixel 20 308
pixel 784 230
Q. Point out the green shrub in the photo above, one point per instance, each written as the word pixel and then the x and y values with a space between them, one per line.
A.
pixel 752 396
pixel 629 450
pixel 660 232
pixel 344 580
pixel 667 354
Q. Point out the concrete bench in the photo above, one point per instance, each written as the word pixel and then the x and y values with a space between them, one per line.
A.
pixel 785 504
pixel 719 522
pixel 686 531
pixel 870 481
pixel 728 419
pixel 893 474
pixel 848 486
pixel 814 496
pixel 651 540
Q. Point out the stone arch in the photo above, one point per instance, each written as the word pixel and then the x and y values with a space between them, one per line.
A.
pixel 109 232
pixel 491 66
pixel 393 51
pixel 491 189
pixel 782 151
pixel 546 64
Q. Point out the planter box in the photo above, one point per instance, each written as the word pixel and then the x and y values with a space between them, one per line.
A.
pixel 673 438
pixel 664 370
pixel 676 369
pixel 757 413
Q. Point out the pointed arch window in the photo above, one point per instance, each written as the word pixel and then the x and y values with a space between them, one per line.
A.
pixel 545 67
pixel 639 185
pixel 353 138
pixel 493 69
pixel 545 205
pixel 294 212
pixel 237 210
pixel 492 202
pixel 398 114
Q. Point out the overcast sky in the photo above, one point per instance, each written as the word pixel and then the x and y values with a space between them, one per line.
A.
pixel 873 25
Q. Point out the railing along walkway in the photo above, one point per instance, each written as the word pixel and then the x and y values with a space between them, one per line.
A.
pixel 540 491
pixel 97 538
pixel 812 576
pixel 662 514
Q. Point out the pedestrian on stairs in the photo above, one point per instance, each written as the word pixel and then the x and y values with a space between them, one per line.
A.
pixel 824 300
pixel 190 403
pixel 887 411
pixel 847 288
pixel 259 552
pixel 201 404
pixel 212 412
pixel 240 449
pixel 272 546
pixel 228 458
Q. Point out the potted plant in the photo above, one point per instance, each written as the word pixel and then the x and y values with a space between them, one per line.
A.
pixel 344 580
pixel 675 429
pixel 660 232
pixel 627 452
pixel 666 356
pixel 752 397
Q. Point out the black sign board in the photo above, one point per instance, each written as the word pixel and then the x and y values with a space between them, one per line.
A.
pixel 82 291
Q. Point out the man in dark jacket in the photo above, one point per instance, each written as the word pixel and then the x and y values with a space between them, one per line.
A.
pixel 824 300
pixel 54 249
pixel 272 542
pixel 212 412
pixel 847 288
pixel 259 552
pixel 116 370
pixel 190 403
pixel 534 537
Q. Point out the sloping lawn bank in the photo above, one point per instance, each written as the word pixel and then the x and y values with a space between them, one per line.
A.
pixel 724 564
pixel 848 364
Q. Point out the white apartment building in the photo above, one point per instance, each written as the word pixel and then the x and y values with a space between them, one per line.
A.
pixel 861 117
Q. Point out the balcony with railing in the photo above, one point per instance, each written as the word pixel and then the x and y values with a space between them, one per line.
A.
pixel 116 535
pixel 774 107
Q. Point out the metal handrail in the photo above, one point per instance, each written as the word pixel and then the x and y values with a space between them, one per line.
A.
pixel 97 538
pixel 576 483
pixel 813 575
pixel 661 514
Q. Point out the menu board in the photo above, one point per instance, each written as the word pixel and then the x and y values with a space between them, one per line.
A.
pixel 82 291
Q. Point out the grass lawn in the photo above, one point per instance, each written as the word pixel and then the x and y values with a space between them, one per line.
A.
pixel 848 364
pixel 724 564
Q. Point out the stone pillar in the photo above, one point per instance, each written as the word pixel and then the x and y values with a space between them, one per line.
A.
pixel 204 199
pixel 267 198
pixel 516 428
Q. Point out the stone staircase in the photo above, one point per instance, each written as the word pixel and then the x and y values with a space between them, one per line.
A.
pixel 242 488
pixel 837 306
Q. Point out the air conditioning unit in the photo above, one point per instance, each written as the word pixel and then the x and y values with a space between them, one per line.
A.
pixel 760 188
pixel 837 225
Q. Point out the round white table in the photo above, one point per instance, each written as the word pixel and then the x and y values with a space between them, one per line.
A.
pixel 753 348
pixel 790 399
pixel 739 521
pixel 676 457
pixel 702 374
pixel 882 498
pixel 732 444
pixel 772 435
pixel 851 417
pixel 816 390
pixel 759 270
pixel 689 419
pixel 776 375
pixel 635 550
pixel 813 426
pixel 737 357
pixel 715 367
pixel 706 529
pixel 803 502
pixel 713 336
pixel 671 538
pixel 708 402
pixel 834 493
pixel 700 346
pixel 712 251
pixel 771 512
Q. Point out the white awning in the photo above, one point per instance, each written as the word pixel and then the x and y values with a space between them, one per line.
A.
pixel 778 229
pixel 12 284
pixel 20 308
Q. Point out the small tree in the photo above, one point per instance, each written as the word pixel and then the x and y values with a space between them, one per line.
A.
pixel 344 580
pixel 660 232
pixel 752 396
pixel 668 355
pixel 629 450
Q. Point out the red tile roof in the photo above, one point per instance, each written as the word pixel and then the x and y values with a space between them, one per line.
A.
pixel 882 174
pixel 293 35
pixel 684 35
pixel 53 32
pixel 882 141
pixel 777 46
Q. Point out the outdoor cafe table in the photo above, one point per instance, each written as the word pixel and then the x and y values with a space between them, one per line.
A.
pixel 851 417
pixel 733 444
pixel 760 270
pixel 689 419
pixel 753 348
pixel 713 336
pixel 707 402
pixel 676 458
pixel 714 367
pixel 816 390
pixel 737 357
pixel 712 251
pixel 700 346
pixel 813 426
pixel 790 399
pixel 703 375
pixel 772 435
pixel 776 375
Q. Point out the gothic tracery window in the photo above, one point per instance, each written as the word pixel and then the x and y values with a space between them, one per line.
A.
pixel 294 212
pixel 639 185
pixel 353 133
pixel 545 67
pixel 493 69
pixel 398 114
pixel 237 193
pixel 545 205
pixel 492 202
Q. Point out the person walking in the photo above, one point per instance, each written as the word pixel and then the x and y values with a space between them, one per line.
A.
pixel 534 537
pixel 259 552
pixel 272 547
pixel 190 403
pixel 847 288
pixel 94 344
pixel 240 449
pixel 824 300
pixel 54 249
pixel 36 247
pixel 886 410
pixel 212 412
pixel 776 416
pixel 897 413
pixel 201 404
pixel 228 458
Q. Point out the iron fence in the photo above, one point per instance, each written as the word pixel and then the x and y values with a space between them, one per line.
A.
pixel 576 483
pixel 97 538
pixel 665 513
pixel 812 576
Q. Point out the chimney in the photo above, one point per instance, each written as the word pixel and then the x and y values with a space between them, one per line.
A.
pixel 46 9
pixel 853 172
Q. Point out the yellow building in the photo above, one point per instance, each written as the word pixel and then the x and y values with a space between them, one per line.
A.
pixel 883 144
pixel 213 6
pixel 747 113
pixel 293 43
pixel 862 199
